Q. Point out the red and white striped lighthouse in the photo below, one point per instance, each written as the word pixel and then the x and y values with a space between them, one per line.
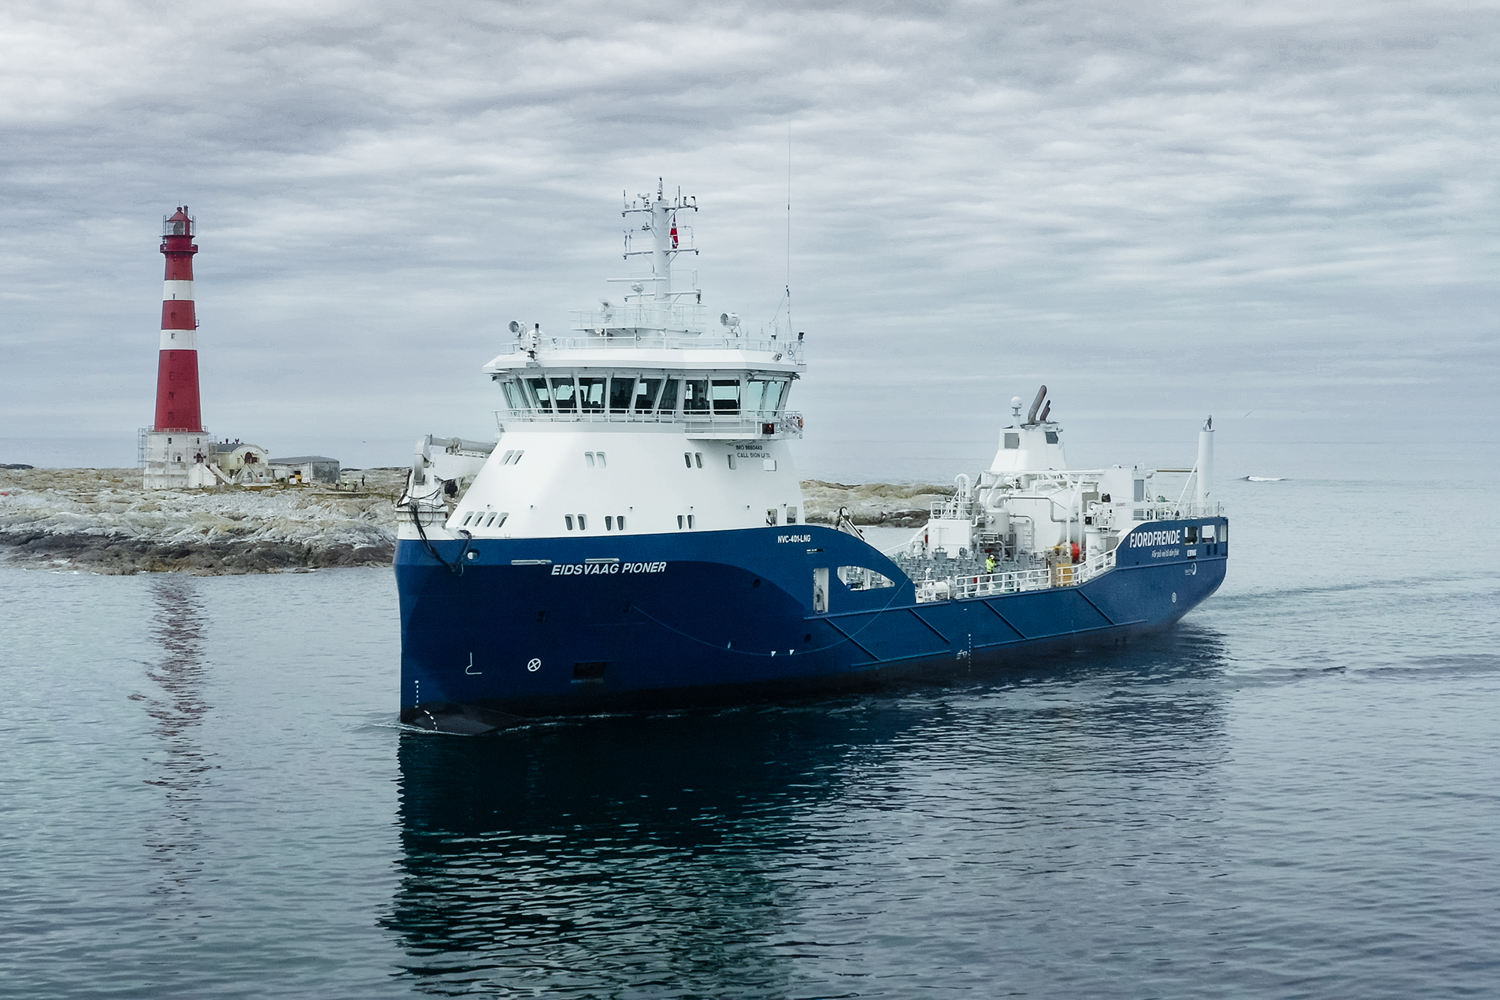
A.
pixel 177 404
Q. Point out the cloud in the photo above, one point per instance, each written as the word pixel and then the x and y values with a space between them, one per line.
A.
pixel 380 187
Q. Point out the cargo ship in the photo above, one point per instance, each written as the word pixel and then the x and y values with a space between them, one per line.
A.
pixel 635 536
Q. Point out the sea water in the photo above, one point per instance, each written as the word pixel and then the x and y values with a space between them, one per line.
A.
pixel 1291 794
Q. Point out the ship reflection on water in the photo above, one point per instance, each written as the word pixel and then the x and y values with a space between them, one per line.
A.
pixel 690 850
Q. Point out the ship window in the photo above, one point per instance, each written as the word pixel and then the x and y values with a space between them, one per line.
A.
pixel 699 456
pixel 731 460
pixel 669 394
pixel 1140 490
pixel 695 396
pixel 791 515
pixel 645 394
pixel 1209 532
pixel 1052 437
pixel 1012 440
pixel 583 523
pixel 755 393
pixel 687 458
pixel 1191 535
pixel 468 517
pixel 861 578
pixel 690 520
pixel 820 589
pixel 679 522
pixel 564 394
pixel 620 522
pixel 770 515
pixel 568 518
pixel 764 395
pixel 591 394
pixel 726 395
pixel 501 522
pixel 609 522
pixel 1224 532
pixel 600 456
pixel 515 396
pixel 517 459
pixel 540 392
pixel 508 456
pixel 620 391
pixel 588 459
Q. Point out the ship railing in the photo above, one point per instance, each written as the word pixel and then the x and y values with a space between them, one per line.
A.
pixel 1065 574
pixel 1174 511
pixel 955 508
pixel 737 424
pixel 673 340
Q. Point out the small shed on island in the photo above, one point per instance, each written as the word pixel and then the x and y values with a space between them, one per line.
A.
pixel 305 469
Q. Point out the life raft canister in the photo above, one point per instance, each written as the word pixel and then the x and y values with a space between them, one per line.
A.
pixel 1077 552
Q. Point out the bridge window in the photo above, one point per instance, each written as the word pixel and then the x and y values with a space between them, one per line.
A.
pixel 541 393
pixel 669 394
pixel 1051 437
pixel 862 578
pixel 763 395
pixel 591 394
pixel 620 392
pixel 1012 440
pixel 564 394
pixel 695 396
pixel 726 395
pixel 515 396
pixel 646 390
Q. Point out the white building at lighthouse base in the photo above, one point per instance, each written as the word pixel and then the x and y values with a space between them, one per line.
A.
pixel 176 459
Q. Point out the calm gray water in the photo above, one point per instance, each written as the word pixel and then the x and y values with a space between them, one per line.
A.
pixel 1293 794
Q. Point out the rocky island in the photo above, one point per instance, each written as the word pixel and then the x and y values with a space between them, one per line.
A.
pixel 102 521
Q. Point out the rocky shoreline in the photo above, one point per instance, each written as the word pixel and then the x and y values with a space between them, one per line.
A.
pixel 102 521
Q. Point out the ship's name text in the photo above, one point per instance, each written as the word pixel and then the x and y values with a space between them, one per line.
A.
pixel 586 569
pixel 1141 538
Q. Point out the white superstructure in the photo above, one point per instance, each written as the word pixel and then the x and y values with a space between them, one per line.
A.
pixel 643 421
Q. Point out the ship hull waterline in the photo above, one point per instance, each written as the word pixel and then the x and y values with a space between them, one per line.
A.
pixel 499 629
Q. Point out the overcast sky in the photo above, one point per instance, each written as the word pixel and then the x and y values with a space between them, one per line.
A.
pixel 1281 213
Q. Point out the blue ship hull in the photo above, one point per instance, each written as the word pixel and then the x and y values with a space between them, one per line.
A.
pixel 529 627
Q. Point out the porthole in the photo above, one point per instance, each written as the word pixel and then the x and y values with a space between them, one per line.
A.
pixel 620 522
pixel 568 518
pixel 583 523
pixel 609 522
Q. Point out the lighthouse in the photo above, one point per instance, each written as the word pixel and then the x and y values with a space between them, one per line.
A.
pixel 177 450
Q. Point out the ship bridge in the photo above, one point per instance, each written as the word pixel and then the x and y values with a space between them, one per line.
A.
pixel 648 363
